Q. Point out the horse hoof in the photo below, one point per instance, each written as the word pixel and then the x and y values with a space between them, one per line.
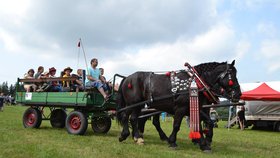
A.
pixel 135 139
pixel 121 139
pixel 207 151
pixel 164 139
pixel 173 146
pixel 140 141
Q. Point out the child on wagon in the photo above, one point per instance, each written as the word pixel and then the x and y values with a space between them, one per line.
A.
pixel 67 73
pixel 54 85
pixel 28 86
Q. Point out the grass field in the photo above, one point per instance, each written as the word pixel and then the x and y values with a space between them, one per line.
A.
pixel 16 141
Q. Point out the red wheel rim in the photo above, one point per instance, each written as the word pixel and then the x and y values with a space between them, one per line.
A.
pixel 75 122
pixel 31 118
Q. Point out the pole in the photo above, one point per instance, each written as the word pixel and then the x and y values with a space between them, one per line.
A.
pixel 84 55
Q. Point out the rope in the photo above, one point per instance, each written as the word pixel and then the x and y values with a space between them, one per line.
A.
pixel 79 50
pixel 81 44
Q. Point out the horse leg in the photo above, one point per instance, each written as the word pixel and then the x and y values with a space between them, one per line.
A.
pixel 204 146
pixel 134 125
pixel 209 125
pixel 156 123
pixel 176 127
pixel 141 126
pixel 125 132
pixel 206 142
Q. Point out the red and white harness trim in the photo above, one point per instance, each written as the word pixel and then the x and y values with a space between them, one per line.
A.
pixel 199 84
pixel 194 113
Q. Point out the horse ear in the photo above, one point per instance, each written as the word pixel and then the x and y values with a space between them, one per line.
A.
pixel 232 63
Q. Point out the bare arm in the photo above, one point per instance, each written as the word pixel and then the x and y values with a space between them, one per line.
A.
pixel 89 77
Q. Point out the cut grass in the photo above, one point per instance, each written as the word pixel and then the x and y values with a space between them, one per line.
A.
pixel 16 141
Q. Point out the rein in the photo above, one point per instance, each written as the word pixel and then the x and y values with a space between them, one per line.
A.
pixel 202 86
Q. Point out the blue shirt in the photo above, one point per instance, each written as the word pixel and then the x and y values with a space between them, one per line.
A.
pixel 95 73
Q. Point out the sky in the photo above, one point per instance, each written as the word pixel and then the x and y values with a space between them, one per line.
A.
pixel 131 35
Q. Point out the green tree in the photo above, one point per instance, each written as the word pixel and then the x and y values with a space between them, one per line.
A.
pixel 5 88
pixel 12 90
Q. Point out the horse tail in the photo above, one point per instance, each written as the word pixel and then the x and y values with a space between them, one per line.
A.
pixel 120 103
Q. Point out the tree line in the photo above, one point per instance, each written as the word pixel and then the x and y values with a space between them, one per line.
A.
pixel 8 90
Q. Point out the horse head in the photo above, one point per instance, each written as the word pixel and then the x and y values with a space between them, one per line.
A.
pixel 227 81
pixel 222 79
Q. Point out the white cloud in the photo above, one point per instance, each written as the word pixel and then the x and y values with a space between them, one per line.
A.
pixel 13 12
pixel 9 41
pixel 242 47
pixel 218 44
pixel 267 29
pixel 125 35
pixel 270 50
pixel 255 4
pixel 14 7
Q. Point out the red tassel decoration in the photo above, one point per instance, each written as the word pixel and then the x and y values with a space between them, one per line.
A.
pixel 168 73
pixel 194 113
pixel 194 135
pixel 129 86
pixel 230 83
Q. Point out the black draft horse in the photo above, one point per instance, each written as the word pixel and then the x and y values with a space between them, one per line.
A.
pixel 142 86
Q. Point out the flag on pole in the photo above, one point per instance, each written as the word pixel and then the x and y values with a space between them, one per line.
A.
pixel 79 44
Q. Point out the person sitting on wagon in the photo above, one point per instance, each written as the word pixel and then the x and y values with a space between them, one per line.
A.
pixel 78 83
pixel 54 85
pixel 29 86
pixel 108 85
pixel 38 75
pixel 44 85
pixel 94 78
pixel 67 73
pixel 39 72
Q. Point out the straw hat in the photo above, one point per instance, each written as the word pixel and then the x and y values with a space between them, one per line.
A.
pixel 68 68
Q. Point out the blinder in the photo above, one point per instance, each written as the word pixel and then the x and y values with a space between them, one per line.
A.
pixel 220 88
pixel 226 72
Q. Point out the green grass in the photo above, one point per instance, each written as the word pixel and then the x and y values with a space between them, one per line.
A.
pixel 16 141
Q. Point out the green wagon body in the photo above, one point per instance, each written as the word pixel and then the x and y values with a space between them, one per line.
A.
pixel 84 100
pixel 88 105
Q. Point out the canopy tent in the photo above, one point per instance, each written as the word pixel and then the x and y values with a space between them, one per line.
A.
pixel 262 92
pixel 262 101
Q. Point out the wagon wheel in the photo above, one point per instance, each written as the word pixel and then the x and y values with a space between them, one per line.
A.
pixel 101 124
pixel 76 123
pixel 32 118
pixel 58 117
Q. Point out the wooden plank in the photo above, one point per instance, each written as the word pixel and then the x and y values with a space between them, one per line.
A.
pixel 49 79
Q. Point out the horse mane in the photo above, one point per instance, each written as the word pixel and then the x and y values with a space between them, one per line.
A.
pixel 206 67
